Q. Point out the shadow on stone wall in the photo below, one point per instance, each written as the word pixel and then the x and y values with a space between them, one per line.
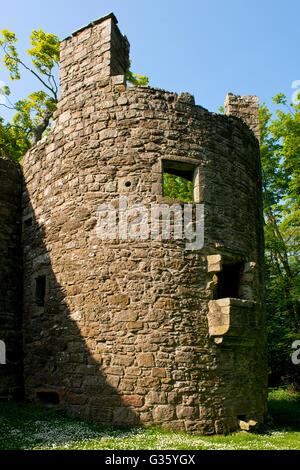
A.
pixel 59 366
pixel 10 281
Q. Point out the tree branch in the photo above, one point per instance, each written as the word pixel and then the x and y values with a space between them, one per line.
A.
pixel 19 61
pixel 5 105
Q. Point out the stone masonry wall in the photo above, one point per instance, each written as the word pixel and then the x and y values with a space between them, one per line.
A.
pixel 132 331
pixel 10 280
pixel 246 108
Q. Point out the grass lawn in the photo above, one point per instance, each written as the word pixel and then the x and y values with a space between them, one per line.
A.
pixel 29 426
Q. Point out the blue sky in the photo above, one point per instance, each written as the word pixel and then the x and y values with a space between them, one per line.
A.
pixel 204 47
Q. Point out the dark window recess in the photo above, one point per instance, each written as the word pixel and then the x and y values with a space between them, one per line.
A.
pixel 49 398
pixel 229 280
pixel 242 417
pixel 40 290
pixel 178 180
pixel 28 222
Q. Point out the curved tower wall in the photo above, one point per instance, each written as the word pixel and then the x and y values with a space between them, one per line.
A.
pixel 135 331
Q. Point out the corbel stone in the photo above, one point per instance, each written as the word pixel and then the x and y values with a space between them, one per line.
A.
pixel 214 263
pixel 231 317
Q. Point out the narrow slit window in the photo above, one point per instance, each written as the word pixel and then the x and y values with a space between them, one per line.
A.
pixel 48 398
pixel 40 290
pixel 28 222
pixel 229 280
pixel 178 180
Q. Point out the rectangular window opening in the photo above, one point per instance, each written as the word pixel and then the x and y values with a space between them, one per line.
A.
pixel 48 398
pixel 178 180
pixel 40 290
pixel 229 280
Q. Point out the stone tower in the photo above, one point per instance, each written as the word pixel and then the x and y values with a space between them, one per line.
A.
pixel 128 331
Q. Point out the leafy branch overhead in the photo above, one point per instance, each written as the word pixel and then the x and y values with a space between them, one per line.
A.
pixel 135 79
pixel 33 114
pixel 44 53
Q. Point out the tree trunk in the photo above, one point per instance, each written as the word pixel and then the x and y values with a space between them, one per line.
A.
pixel 37 132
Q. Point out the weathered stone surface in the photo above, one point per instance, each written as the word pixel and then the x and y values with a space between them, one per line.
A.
pixel 244 107
pixel 10 279
pixel 118 300
pixel 145 359
pixel 156 398
pixel 159 372
pixel 214 263
pixel 134 400
pixel 163 413
pixel 124 326
pixel 189 412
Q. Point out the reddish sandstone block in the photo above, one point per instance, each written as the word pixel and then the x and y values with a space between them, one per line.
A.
pixel 134 400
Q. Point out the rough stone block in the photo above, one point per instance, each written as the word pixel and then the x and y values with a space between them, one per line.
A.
pixel 155 398
pixel 163 413
pixel 134 400
pixel 145 359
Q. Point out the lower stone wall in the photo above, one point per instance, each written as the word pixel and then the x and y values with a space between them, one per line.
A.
pixel 10 281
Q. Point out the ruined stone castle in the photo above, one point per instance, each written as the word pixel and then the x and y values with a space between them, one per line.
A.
pixel 129 332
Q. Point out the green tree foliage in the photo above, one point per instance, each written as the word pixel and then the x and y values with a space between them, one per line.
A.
pixel 135 79
pixel 280 156
pixel 14 141
pixel 33 114
pixel 176 187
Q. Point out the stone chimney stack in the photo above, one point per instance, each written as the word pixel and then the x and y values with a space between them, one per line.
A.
pixel 93 53
pixel 244 107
